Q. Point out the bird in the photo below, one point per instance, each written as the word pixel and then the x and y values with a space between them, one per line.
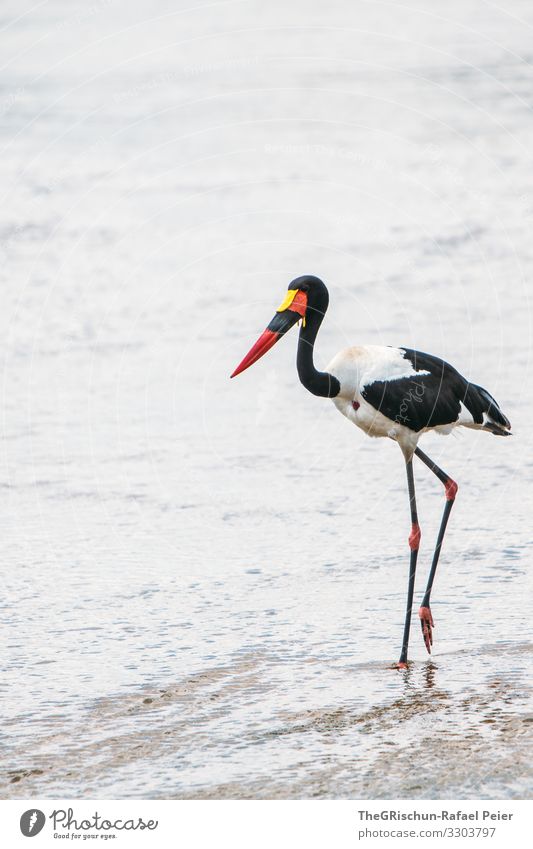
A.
pixel 395 393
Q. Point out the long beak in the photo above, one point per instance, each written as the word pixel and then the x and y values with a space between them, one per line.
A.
pixel 285 318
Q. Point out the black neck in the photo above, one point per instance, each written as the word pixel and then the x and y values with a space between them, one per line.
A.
pixel 318 382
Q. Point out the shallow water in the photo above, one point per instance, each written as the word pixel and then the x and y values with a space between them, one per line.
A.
pixel 204 580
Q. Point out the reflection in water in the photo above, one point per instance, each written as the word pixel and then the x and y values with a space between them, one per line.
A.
pixel 429 674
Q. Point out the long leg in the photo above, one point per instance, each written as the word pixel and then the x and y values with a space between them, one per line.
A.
pixel 426 619
pixel 414 544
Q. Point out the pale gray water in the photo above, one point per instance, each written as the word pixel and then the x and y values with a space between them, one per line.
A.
pixel 204 580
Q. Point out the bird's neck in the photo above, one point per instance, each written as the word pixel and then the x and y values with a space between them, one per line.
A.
pixel 318 382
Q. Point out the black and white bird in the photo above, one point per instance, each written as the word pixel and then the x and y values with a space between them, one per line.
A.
pixel 391 392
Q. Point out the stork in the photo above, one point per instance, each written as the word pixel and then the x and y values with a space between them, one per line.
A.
pixel 397 393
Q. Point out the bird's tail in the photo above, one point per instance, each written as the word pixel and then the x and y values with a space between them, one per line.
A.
pixel 485 411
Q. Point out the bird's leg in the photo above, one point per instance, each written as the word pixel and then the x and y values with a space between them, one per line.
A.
pixel 414 544
pixel 426 619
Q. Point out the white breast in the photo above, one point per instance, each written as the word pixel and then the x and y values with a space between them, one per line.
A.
pixel 360 366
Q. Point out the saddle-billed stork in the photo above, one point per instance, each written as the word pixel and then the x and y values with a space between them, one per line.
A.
pixel 394 392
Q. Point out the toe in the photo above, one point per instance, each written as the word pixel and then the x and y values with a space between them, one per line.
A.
pixel 427 625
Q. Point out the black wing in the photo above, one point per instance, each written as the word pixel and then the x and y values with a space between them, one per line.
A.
pixel 428 400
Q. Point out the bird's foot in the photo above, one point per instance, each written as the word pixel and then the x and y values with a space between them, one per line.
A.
pixel 427 624
pixel 400 665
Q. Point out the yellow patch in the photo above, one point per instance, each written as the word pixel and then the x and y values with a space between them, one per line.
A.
pixel 287 301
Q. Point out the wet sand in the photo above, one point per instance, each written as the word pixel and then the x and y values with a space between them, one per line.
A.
pixel 212 736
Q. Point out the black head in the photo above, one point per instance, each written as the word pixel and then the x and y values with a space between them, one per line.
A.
pixel 315 290
pixel 306 299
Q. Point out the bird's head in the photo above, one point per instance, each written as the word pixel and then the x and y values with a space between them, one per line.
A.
pixel 307 298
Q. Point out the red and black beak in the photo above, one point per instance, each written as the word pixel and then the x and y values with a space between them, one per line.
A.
pixel 288 313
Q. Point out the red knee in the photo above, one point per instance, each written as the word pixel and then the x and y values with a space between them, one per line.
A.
pixel 451 489
pixel 414 537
